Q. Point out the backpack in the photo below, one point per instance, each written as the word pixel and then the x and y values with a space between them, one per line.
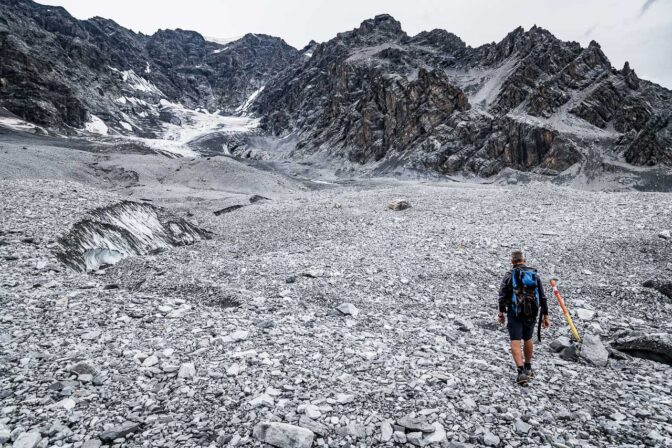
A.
pixel 525 297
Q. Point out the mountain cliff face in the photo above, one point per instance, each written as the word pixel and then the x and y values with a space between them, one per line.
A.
pixel 58 72
pixel 429 102
pixel 373 96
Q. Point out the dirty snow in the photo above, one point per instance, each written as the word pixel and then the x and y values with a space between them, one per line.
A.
pixel 246 105
pixel 17 124
pixel 96 126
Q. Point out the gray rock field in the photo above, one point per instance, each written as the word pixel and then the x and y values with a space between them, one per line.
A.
pixel 318 316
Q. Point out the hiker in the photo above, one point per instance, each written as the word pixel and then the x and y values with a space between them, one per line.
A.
pixel 521 297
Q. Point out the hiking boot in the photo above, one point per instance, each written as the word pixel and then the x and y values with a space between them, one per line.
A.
pixel 522 378
pixel 530 373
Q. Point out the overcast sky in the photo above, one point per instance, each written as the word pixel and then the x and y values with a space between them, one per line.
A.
pixel 639 31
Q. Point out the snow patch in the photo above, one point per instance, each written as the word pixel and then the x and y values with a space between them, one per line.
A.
pixel 18 125
pixel 366 53
pixel 222 40
pixel 126 125
pixel 494 79
pixel 194 124
pixel 124 229
pixel 246 105
pixel 96 126
pixel 138 82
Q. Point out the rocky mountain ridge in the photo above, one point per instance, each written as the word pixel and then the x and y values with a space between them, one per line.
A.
pixel 373 97
pixel 430 102
pixel 68 74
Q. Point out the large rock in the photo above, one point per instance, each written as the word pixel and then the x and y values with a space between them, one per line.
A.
pixel 283 435
pixel 560 344
pixel 399 204
pixel 593 351
pixel 412 423
pixel 187 370
pixel 386 431
pixel 118 432
pixel 584 314
pixel 655 346
pixel 569 353
pixel 27 440
pixel 438 436
pixel 348 309
pixel 662 286
pixel 314 426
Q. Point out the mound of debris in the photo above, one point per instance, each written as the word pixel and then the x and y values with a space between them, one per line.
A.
pixel 108 234
pixel 656 346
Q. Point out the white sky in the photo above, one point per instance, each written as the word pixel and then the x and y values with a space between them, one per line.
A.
pixel 639 31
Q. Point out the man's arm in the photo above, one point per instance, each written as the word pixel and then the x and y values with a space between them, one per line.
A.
pixel 505 292
pixel 543 302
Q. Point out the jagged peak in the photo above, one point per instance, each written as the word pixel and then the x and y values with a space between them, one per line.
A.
pixel 382 24
pixel 440 37
pixel 594 44
pixel 631 78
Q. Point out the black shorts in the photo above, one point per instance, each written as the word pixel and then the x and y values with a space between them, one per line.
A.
pixel 519 328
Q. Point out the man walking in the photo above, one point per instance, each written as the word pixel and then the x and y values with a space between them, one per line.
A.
pixel 521 299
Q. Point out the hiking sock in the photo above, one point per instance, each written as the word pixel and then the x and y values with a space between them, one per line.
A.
pixel 520 369
pixel 528 366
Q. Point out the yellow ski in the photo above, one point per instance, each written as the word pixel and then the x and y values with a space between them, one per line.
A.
pixel 557 295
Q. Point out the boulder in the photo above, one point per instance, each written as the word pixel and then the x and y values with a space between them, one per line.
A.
pixel 314 426
pixel 662 286
pixel 464 324
pixel 521 427
pixel 348 309
pixel 84 368
pixel 399 204
pixel 187 370
pixel 118 432
pixel 569 353
pixel 560 344
pixel 27 440
pixel 438 436
pixel 593 351
pixel 584 314
pixel 412 423
pixel 386 431
pixel 489 439
pixel 283 435
pixel 655 346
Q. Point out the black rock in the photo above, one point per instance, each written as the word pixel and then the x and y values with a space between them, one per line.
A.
pixel 56 71
pixel 376 96
pixel 662 286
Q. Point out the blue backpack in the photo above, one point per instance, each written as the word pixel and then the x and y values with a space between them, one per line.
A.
pixel 525 297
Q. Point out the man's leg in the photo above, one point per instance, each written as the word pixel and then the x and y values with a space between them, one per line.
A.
pixel 517 353
pixel 529 349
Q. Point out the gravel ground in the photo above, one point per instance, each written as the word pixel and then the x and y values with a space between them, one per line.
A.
pixel 196 345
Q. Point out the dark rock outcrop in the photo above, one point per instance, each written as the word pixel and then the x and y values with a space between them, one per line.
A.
pixel 376 96
pixel 662 286
pixel 656 347
pixel 57 71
